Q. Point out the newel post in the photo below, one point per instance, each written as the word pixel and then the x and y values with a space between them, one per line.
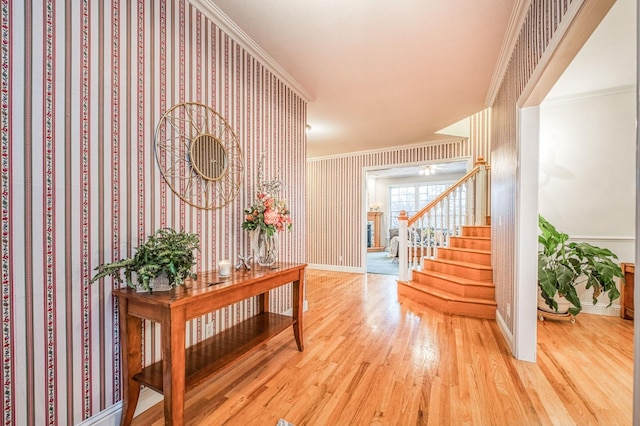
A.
pixel 482 184
pixel 403 247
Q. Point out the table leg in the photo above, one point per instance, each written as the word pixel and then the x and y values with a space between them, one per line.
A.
pixel 173 365
pixel 131 353
pixel 298 304
pixel 264 302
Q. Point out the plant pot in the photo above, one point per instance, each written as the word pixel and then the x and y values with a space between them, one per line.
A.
pixel 563 304
pixel 159 283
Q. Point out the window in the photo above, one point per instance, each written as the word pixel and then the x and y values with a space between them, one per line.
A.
pixel 412 198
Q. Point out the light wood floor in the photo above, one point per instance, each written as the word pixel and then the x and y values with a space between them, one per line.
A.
pixel 371 360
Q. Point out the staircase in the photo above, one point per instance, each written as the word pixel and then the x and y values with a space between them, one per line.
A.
pixel 459 280
pixel 445 249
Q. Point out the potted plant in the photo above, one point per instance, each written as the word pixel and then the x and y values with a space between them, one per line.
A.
pixel 167 255
pixel 562 265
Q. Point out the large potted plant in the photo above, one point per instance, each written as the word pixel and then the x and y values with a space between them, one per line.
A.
pixel 562 265
pixel 162 262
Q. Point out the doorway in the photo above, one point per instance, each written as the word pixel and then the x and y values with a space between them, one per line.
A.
pixel 577 155
pixel 389 190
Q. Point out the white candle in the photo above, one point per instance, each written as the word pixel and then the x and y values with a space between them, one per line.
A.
pixel 224 268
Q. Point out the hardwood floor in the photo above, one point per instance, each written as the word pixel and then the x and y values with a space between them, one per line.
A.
pixel 371 360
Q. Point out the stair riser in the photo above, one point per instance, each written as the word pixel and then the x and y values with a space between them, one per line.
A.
pixel 464 290
pixel 470 243
pixel 464 256
pixel 484 275
pixel 446 306
pixel 476 231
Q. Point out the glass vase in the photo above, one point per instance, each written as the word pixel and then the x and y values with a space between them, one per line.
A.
pixel 265 247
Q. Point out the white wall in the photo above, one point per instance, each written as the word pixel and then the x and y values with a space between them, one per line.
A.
pixel 587 172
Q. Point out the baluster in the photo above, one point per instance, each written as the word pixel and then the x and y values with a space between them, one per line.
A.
pixel 481 191
pixel 422 251
pixel 436 229
pixel 429 239
pixel 421 228
pixel 471 199
pixel 462 208
pixel 414 254
pixel 447 217
pixel 453 211
pixel 403 272
pixel 457 211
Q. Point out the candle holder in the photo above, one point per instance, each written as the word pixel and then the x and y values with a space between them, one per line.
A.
pixel 224 268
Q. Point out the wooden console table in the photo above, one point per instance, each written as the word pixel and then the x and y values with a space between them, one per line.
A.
pixel 182 369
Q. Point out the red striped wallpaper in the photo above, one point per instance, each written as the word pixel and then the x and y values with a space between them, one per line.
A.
pixel 83 84
pixel 536 33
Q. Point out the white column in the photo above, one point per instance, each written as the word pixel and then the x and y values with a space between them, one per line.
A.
pixel 481 193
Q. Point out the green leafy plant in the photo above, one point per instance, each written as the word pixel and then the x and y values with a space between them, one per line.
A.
pixel 563 265
pixel 166 251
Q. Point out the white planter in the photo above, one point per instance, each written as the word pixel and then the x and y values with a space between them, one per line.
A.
pixel 563 304
pixel 159 283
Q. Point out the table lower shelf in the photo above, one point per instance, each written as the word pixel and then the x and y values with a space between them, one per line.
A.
pixel 214 353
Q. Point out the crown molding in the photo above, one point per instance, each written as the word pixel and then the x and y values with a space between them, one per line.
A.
pixel 573 97
pixel 388 148
pixel 518 14
pixel 227 25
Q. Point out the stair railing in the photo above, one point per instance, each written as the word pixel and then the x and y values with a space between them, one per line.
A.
pixel 466 202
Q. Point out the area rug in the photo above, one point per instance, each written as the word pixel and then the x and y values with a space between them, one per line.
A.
pixel 380 263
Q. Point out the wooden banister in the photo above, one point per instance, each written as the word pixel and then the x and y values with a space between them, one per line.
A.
pixel 444 195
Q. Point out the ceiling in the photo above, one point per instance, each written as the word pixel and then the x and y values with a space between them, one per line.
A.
pixel 380 73
pixel 606 61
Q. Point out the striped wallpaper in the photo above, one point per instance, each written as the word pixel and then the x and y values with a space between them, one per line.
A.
pixel 536 35
pixel 335 198
pixel 480 135
pixel 83 84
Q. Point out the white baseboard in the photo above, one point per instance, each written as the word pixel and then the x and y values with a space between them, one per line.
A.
pixel 506 333
pixel 600 309
pixel 111 416
pixel 335 268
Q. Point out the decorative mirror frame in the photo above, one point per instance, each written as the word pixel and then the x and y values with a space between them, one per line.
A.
pixel 198 155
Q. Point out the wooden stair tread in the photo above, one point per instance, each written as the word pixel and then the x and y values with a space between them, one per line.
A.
pixel 448 296
pixel 467 250
pixel 458 263
pixel 454 278
pixel 466 237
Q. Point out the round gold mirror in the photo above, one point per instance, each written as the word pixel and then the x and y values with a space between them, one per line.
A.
pixel 198 155
pixel 208 157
